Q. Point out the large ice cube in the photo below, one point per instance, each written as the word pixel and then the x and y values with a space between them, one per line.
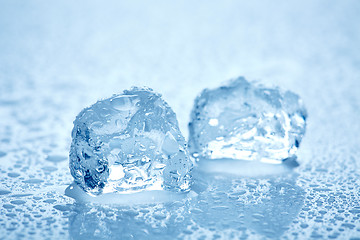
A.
pixel 127 143
pixel 242 120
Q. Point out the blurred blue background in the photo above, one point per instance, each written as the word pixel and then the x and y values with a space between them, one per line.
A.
pixel 178 47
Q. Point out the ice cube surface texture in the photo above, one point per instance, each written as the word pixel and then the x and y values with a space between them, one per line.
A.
pixel 243 120
pixel 128 143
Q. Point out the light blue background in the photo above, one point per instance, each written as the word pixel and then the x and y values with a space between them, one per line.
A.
pixel 56 57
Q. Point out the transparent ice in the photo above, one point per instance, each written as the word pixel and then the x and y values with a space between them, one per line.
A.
pixel 242 120
pixel 127 143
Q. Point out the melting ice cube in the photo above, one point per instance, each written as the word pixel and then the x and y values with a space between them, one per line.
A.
pixel 128 143
pixel 245 121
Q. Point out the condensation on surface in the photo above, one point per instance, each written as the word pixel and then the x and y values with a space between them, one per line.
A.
pixel 318 199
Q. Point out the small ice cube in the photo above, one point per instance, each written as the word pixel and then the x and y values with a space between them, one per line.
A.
pixel 242 120
pixel 128 143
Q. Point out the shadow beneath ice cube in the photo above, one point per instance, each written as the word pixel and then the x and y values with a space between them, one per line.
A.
pixel 263 204
pixel 151 221
pixel 145 197
pixel 246 168
pixel 273 212
pixel 227 206
pixel 142 215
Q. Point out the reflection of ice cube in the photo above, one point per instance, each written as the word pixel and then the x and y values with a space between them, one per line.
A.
pixel 244 121
pixel 129 142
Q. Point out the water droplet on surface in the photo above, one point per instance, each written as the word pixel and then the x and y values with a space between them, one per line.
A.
pixel 56 158
pixel 4 192
pixel 33 181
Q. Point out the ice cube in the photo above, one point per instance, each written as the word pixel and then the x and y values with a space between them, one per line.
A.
pixel 243 120
pixel 128 143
